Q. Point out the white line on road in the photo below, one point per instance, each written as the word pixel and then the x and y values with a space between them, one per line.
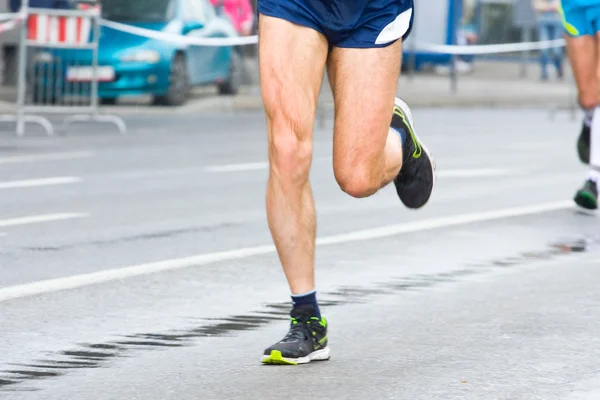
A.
pixel 473 173
pixel 254 166
pixel 442 173
pixel 46 157
pixel 238 167
pixel 75 281
pixel 59 180
pixel 36 219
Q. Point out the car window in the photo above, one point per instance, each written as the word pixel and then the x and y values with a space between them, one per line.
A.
pixel 134 10
pixel 193 10
pixel 209 10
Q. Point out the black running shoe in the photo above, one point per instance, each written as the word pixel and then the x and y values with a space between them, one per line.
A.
pixel 583 144
pixel 306 340
pixel 587 196
pixel 416 180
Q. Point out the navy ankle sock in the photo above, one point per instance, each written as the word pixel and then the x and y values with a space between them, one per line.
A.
pixel 309 298
pixel 402 134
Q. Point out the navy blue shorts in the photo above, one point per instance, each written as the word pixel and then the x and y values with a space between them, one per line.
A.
pixel 347 23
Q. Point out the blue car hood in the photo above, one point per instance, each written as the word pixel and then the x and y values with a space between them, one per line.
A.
pixel 114 40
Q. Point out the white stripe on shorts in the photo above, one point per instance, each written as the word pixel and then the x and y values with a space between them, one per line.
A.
pixel 395 29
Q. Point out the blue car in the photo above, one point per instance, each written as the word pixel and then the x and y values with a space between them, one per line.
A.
pixel 135 65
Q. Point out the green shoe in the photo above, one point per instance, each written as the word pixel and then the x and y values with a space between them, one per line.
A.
pixel 416 180
pixel 587 196
pixel 306 340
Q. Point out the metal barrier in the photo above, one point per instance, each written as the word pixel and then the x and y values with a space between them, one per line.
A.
pixel 59 71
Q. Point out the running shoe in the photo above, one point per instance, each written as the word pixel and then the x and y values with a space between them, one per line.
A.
pixel 583 144
pixel 587 196
pixel 306 340
pixel 416 179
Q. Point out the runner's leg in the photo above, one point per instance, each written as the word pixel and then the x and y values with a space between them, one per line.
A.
pixel 366 154
pixel 292 59
pixel 374 139
pixel 582 52
pixel 587 196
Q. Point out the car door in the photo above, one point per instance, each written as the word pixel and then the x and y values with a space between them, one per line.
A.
pixel 195 23
pixel 218 27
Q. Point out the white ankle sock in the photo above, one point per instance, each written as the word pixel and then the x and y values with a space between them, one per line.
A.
pixel 588 116
pixel 595 143
pixel 594 175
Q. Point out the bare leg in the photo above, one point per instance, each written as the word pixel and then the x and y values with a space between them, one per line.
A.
pixel 595 125
pixel 583 56
pixel 292 59
pixel 367 155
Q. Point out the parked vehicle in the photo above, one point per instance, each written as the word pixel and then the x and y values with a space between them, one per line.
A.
pixel 135 65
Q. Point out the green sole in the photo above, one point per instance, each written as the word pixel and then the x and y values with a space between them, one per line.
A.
pixel 275 358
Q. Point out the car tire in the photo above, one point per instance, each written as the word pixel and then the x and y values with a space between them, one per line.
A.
pixel 179 84
pixel 234 79
pixel 108 101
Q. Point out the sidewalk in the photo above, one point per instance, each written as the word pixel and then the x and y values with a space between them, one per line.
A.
pixel 491 84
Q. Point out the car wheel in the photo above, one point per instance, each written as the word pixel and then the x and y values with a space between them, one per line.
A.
pixel 236 71
pixel 179 84
pixel 108 101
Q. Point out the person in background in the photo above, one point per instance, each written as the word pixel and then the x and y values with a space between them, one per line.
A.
pixel 549 28
pixel 467 34
pixel 240 12
pixel 581 22
pixel 15 5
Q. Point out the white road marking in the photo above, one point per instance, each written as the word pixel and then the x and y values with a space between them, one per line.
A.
pixel 76 281
pixel 441 173
pixel 59 180
pixel 36 219
pixel 250 166
pixel 473 173
pixel 46 157
pixel 238 167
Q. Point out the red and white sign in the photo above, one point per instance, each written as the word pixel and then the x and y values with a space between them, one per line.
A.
pixel 52 29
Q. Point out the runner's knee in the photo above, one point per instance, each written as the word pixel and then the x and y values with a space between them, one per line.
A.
pixel 358 180
pixel 290 148
pixel 588 100
pixel 588 96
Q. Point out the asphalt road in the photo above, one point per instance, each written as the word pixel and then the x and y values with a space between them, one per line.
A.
pixel 141 267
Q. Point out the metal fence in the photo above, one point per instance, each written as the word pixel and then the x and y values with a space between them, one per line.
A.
pixel 58 69
pixel 496 42
pixel 58 74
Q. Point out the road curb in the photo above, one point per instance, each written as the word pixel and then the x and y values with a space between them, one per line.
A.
pixel 241 103
pixel 254 103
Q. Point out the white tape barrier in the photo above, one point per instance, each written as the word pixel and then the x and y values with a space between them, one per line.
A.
pixel 171 37
pixel 5 16
pixel 15 18
pixel 489 48
pixel 11 24
pixel 236 41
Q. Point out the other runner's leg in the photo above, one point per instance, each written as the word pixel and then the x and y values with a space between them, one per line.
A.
pixel 587 196
pixel 582 50
pixel 292 59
